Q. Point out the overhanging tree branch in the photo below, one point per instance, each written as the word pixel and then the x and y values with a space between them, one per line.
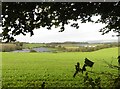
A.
pixel 24 17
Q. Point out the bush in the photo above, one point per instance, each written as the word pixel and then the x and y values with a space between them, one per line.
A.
pixel 92 83
pixel 7 47
pixel 32 50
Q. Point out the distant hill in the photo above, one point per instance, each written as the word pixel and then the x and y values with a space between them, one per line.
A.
pixel 69 42
pixel 102 41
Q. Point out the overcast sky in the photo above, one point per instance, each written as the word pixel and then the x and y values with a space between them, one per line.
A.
pixel 86 32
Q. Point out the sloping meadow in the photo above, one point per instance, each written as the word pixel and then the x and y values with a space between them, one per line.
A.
pixel 56 69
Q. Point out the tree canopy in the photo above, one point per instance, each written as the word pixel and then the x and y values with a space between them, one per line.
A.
pixel 24 17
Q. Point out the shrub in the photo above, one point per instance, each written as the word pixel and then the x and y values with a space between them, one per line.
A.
pixel 33 50
pixel 7 47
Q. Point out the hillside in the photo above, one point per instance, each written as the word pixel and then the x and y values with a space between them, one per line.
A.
pixel 56 69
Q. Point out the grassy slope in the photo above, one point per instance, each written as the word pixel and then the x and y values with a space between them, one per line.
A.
pixel 57 69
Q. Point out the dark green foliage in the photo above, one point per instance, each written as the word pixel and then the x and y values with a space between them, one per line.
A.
pixel 92 83
pixel 78 69
pixel 86 63
pixel 117 83
pixel 43 85
pixel 24 17
pixel 84 68
pixel 32 50
pixel 119 59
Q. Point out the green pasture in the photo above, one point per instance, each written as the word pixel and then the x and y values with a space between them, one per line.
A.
pixel 33 45
pixel 56 69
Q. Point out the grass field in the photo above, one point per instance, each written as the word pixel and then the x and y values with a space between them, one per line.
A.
pixel 33 45
pixel 56 69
